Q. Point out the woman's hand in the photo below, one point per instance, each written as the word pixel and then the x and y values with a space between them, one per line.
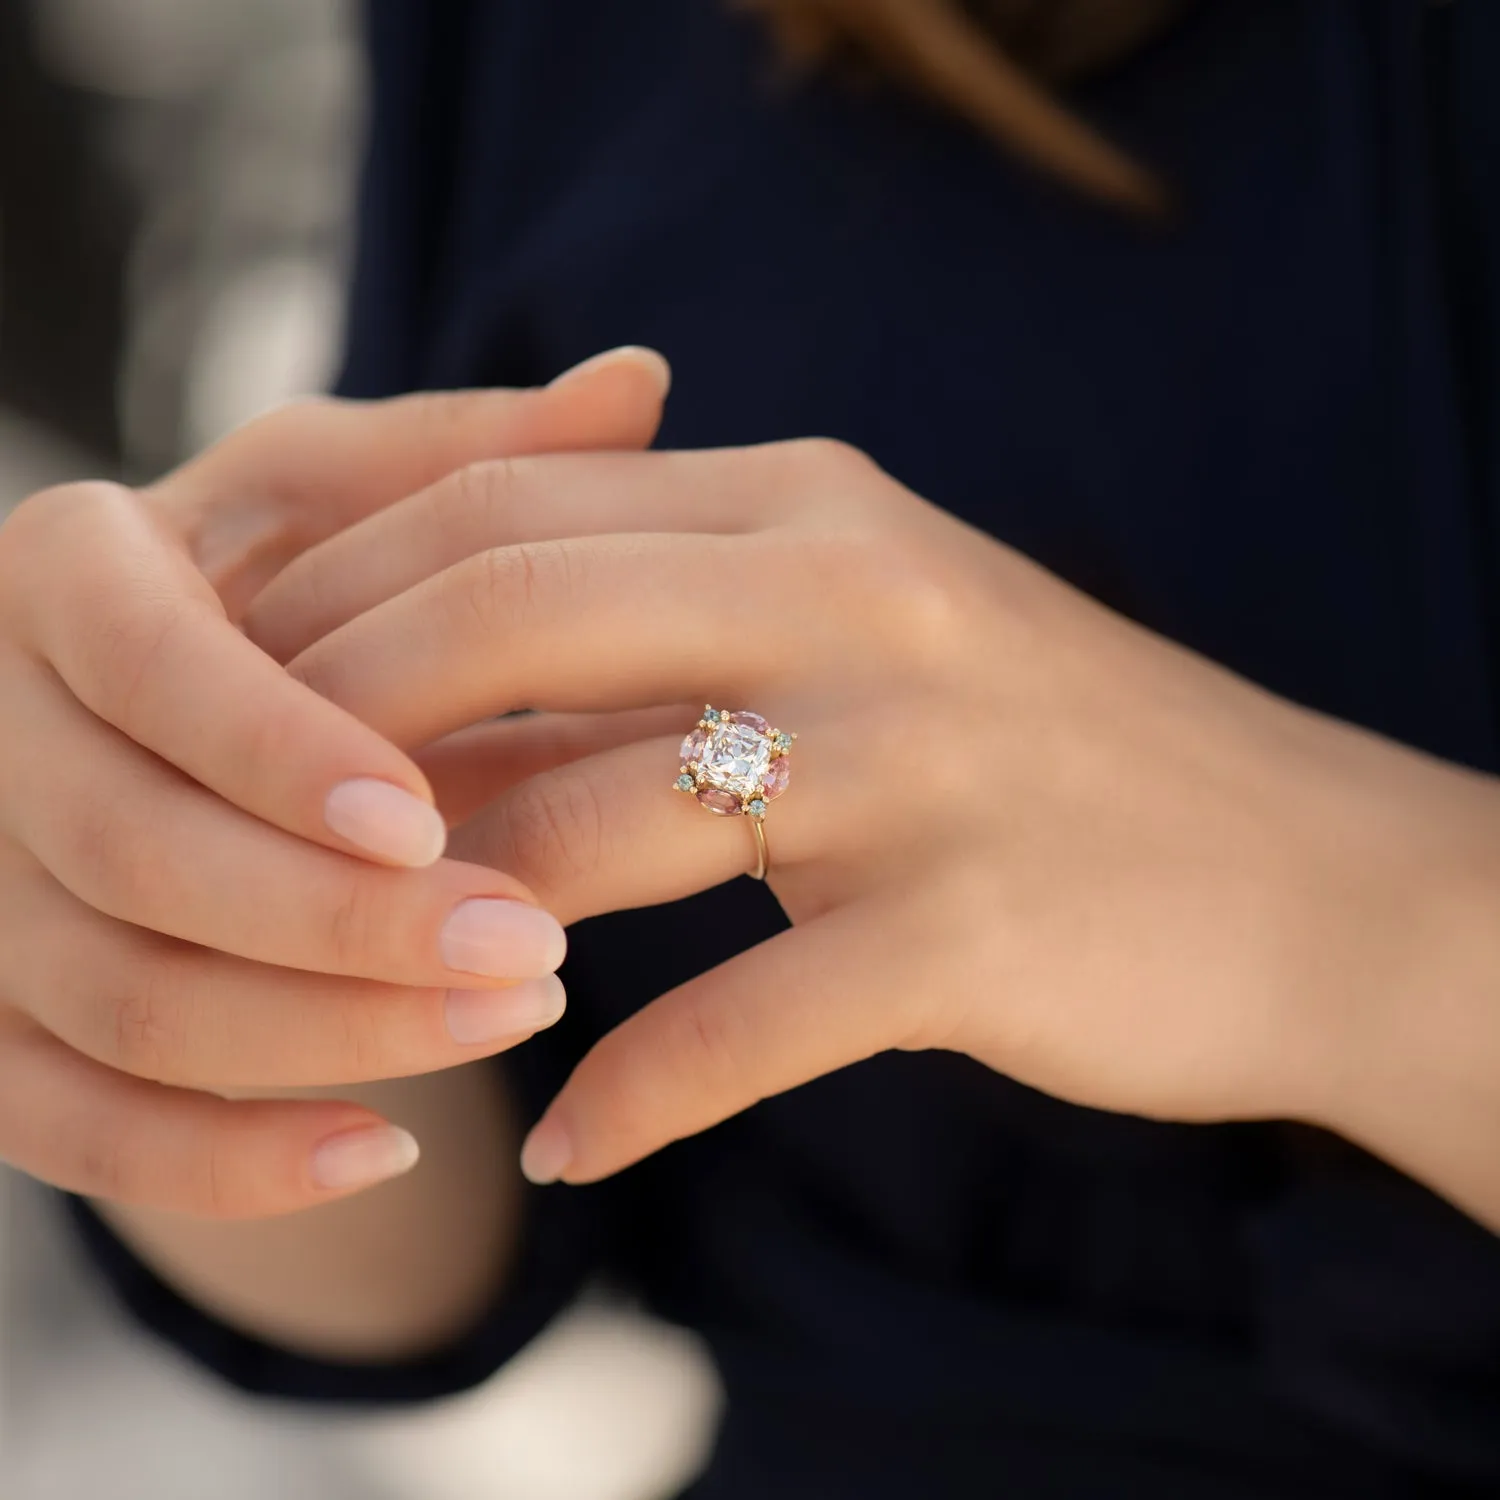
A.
pixel 212 879
pixel 1019 826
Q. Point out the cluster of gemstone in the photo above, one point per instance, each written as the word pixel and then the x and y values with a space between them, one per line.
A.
pixel 735 763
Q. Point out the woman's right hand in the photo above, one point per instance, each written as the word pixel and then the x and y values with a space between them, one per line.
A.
pixel 211 879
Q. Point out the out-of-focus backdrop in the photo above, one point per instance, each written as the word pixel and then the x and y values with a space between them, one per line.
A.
pixel 175 180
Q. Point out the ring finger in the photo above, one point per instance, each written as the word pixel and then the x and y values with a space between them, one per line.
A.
pixel 610 832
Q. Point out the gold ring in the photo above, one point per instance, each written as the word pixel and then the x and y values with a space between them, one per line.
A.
pixel 736 765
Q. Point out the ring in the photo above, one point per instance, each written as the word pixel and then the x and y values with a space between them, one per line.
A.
pixel 736 765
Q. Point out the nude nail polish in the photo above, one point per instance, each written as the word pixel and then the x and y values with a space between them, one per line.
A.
pixel 386 821
pixel 360 1158
pixel 502 939
pixel 477 1018
pixel 546 1154
pixel 649 359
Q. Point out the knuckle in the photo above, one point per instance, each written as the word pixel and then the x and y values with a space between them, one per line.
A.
pixel 508 585
pixel 258 446
pixel 362 1050
pixel 433 417
pixel 103 1169
pixel 478 499
pixel 357 926
pixel 487 594
pixel 49 520
pixel 710 1039
pixel 693 1071
pixel 290 422
pixel 831 461
pixel 63 507
pixel 214 1194
pixel 894 588
pixel 122 1160
pixel 128 644
pixel 148 1022
pixel 854 569
pixel 279 721
pixel 623 1090
pixel 538 568
pixel 555 827
pixel 929 617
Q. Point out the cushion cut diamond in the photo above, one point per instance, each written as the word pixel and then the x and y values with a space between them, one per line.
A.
pixel 736 758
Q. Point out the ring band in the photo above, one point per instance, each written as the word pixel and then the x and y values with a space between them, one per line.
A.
pixel 736 765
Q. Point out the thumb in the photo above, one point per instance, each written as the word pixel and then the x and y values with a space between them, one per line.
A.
pixel 305 471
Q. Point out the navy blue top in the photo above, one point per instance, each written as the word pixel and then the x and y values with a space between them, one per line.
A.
pixel 1268 432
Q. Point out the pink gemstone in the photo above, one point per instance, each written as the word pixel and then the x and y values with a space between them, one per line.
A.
pixel 726 804
pixel 694 746
pixel 778 773
pixel 750 720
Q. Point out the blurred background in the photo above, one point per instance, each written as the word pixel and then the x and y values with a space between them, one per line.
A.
pixel 175 182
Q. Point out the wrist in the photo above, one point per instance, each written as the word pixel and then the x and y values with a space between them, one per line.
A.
pixel 1415 1075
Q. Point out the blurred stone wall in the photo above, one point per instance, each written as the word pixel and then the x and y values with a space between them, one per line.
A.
pixel 175 179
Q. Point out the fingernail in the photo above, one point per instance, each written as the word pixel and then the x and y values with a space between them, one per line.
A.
pixel 648 358
pixel 546 1154
pixel 361 1158
pixel 477 1017
pixel 386 821
pixel 503 940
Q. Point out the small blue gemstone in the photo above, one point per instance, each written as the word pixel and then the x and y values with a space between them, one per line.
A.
pixel 783 742
pixel 684 783
pixel 757 808
pixel 710 716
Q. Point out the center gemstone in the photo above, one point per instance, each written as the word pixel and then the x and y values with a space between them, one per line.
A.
pixel 736 758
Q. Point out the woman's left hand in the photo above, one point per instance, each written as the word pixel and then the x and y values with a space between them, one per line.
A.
pixel 1018 826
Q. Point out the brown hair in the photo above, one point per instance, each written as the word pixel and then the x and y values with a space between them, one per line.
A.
pixel 994 61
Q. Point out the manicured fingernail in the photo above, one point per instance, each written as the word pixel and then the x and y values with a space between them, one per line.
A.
pixel 478 1017
pixel 386 821
pixel 546 1154
pixel 647 358
pixel 361 1158
pixel 503 940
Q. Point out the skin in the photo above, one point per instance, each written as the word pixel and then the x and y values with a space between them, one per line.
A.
pixel 189 944
pixel 1073 850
